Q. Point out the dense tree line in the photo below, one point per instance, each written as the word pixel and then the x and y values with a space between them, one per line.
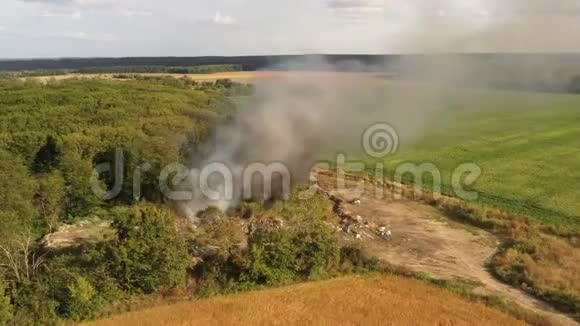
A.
pixel 203 69
pixel 206 69
pixel 52 135
pixel 248 62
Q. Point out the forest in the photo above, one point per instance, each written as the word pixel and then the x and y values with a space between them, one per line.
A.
pixel 52 136
pixel 203 69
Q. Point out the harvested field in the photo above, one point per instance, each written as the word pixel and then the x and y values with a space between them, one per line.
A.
pixel 346 301
pixel 239 76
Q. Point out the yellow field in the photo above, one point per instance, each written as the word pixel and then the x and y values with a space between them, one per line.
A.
pixel 239 76
pixel 383 300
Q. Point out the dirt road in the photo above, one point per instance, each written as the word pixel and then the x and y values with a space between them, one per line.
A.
pixel 423 240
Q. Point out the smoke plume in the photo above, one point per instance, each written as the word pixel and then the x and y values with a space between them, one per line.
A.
pixel 296 117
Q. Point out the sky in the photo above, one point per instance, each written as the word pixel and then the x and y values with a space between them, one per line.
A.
pixel 115 28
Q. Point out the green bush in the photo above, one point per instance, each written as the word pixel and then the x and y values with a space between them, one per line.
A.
pixel 148 255
pixel 6 308
pixel 34 305
pixel 272 258
pixel 81 303
pixel 353 260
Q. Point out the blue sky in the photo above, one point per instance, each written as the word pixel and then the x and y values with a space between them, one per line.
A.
pixel 85 28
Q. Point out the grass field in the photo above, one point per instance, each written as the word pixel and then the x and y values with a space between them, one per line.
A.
pixel 346 301
pixel 527 144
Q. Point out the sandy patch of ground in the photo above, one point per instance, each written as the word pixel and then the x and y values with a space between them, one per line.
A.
pixel 424 240
pixel 78 234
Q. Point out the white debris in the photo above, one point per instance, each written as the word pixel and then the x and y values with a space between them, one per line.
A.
pixel 386 234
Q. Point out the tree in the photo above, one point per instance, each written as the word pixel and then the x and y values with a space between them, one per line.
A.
pixel 17 190
pixel 81 299
pixel 6 309
pixel 148 255
pixel 50 197
pixel 20 259
pixel 47 157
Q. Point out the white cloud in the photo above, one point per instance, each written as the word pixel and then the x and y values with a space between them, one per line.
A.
pixel 137 13
pixel 93 3
pixel 364 5
pixel 77 35
pixel 78 3
pixel 220 19
pixel 77 15
pixel 74 15
pixel 355 11
pixel 89 37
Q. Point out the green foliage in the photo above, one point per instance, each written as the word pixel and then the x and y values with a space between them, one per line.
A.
pixel 148 255
pixel 68 127
pixel 6 308
pixel 80 295
pixel 35 73
pixel 353 260
pixel 34 305
pixel 47 157
pixel 72 285
pixel 52 135
pixel 70 288
pixel 272 258
pixel 202 69
pixel 17 189
pixel 301 247
pixel 50 198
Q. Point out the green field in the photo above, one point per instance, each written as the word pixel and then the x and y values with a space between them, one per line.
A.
pixel 527 144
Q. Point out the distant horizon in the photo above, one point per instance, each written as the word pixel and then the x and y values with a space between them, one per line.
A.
pixel 289 55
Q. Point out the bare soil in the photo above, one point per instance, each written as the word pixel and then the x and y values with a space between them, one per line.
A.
pixel 78 234
pixel 423 239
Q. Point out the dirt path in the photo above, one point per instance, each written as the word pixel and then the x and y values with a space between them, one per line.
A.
pixel 423 240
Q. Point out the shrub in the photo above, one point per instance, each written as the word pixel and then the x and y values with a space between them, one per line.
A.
pixel 272 258
pixel 81 303
pixel 353 260
pixel 6 308
pixel 148 255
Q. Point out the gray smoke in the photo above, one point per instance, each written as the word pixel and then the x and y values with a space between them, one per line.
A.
pixel 297 117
